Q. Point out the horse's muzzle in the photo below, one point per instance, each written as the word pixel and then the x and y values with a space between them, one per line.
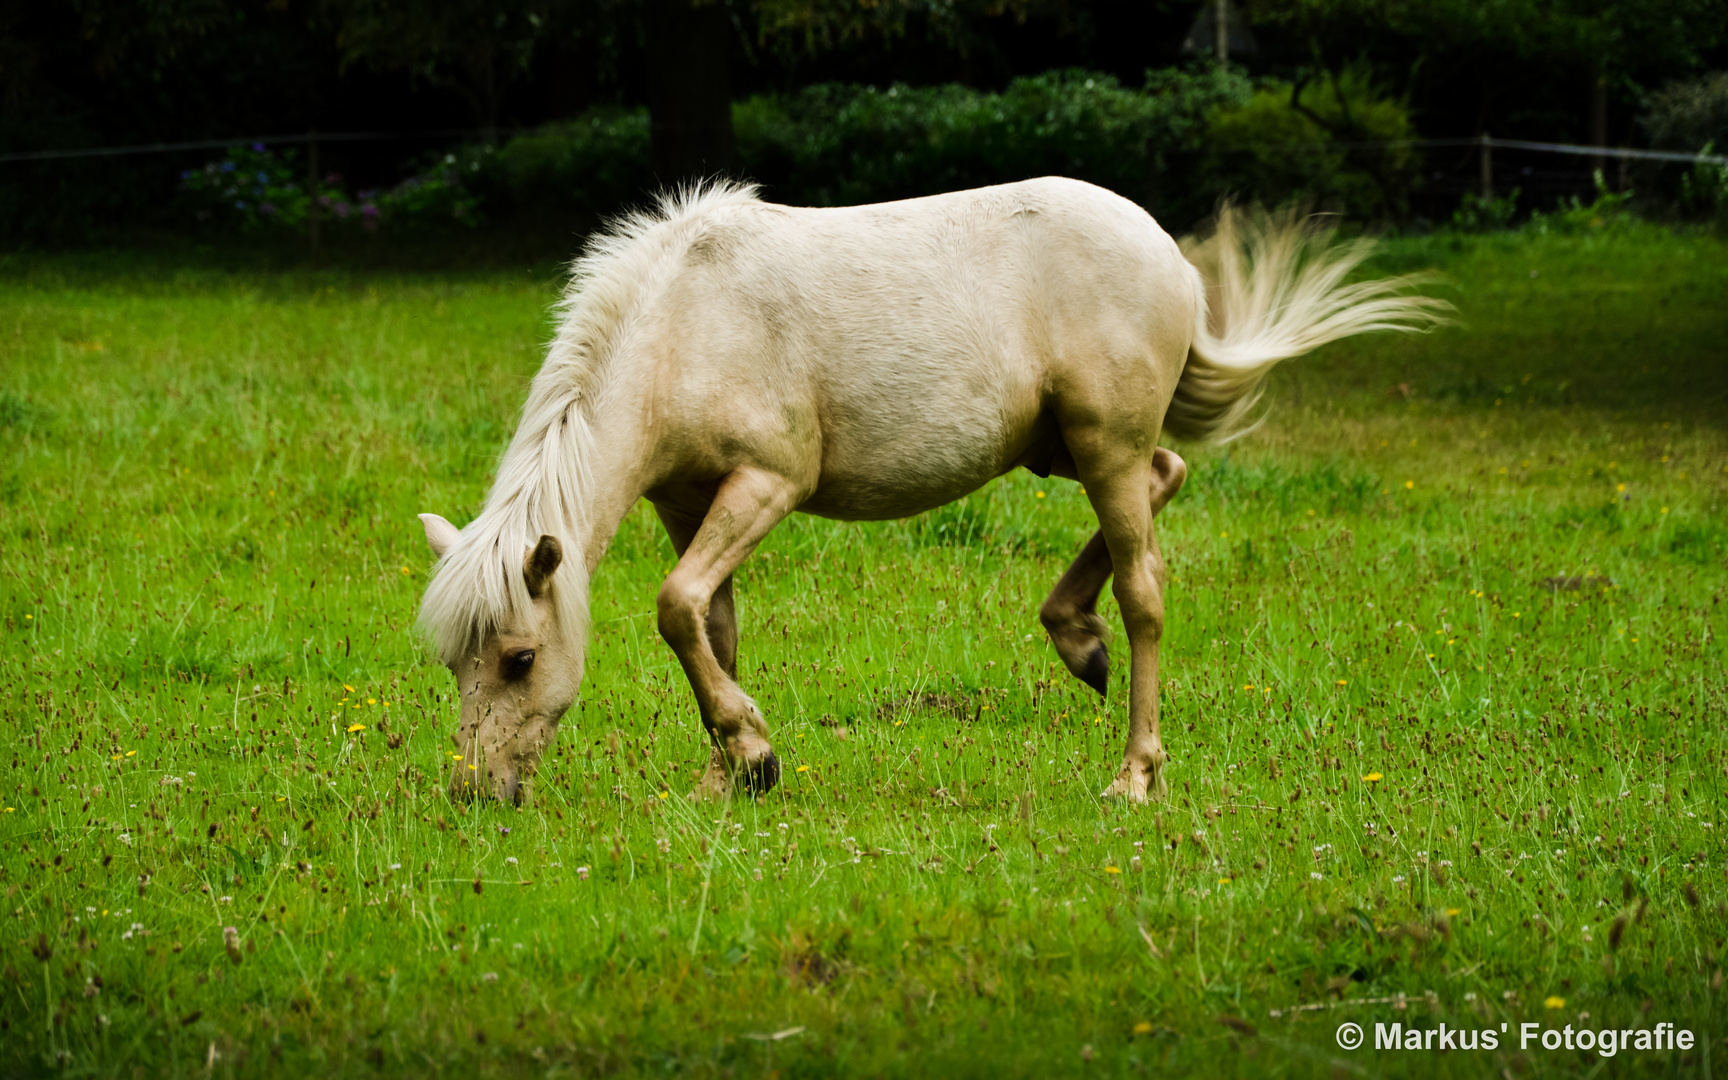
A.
pixel 505 785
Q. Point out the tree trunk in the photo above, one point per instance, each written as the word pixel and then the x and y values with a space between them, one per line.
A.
pixel 689 93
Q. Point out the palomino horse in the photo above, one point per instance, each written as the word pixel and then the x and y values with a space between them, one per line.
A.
pixel 734 361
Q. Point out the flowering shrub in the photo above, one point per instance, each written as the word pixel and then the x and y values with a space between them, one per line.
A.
pixel 253 189
pixel 442 194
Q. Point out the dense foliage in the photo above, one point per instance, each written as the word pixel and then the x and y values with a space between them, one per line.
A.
pixel 1176 145
pixel 93 73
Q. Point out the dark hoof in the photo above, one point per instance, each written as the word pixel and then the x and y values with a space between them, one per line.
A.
pixel 759 777
pixel 1098 671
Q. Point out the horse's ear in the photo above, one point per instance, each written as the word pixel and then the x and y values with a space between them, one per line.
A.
pixel 439 533
pixel 541 564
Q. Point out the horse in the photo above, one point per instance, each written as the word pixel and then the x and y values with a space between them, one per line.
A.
pixel 734 361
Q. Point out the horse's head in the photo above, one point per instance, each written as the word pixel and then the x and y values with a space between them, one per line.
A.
pixel 515 681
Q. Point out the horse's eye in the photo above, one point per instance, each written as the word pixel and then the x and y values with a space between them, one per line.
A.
pixel 520 663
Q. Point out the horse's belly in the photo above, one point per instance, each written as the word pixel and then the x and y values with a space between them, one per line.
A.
pixel 897 471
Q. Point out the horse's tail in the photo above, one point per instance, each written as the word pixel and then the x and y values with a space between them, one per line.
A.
pixel 1274 288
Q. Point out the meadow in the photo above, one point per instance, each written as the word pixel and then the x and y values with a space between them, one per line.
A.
pixel 1444 693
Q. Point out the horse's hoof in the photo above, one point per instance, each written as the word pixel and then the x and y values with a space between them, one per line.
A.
pixel 760 776
pixel 1097 674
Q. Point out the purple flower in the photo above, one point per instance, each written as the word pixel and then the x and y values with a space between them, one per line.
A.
pixel 258 146
pixel 368 210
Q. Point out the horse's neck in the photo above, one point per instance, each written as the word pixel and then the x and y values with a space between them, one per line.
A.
pixel 615 481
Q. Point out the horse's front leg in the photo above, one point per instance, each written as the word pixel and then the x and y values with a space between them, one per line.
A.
pixel 722 621
pixel 748 504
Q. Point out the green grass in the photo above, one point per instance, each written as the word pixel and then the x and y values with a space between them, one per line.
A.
pixel 209 566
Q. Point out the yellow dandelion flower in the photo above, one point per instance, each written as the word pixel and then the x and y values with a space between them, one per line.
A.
pixel 803 768
pixel 1620 487
pixel 664 795
pixel 1112 869
pixel 1451 911
pixel 1408 484
pixel 356 727
pixel 281 798
pixel 1143 1028
pixel 29 616
pixel 348 688
pixel 1343 682
pixel 1373 778
pixel 1555 1003
pixel 1664 509
pixel 131 753
pixel 1038 494
pixel 406 571
pixel 1224 881
pixel 371 701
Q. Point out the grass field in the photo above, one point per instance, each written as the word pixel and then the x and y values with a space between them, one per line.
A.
pixel 1444 693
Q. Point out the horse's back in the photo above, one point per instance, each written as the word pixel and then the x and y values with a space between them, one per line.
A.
pixel 917 342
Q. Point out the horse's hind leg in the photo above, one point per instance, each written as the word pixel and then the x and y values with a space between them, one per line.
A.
pixel 1127 495
pixel 748 504
pixel 1070 614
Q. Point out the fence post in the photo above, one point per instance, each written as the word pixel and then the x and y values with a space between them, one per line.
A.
pixel 1487 163
pixel 312 188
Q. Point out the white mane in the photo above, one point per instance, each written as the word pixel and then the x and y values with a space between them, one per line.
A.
pixel 543 485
